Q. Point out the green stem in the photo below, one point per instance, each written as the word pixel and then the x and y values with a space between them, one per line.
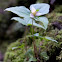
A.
pixel 25 38
pixel 32 26
pixel 34 44
pixel 25 42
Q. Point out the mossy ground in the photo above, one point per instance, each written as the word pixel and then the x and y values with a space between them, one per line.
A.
pixel 15 55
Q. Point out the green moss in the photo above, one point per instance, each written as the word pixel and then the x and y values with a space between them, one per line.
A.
pixel 59 57
pixel 18 54
pixel 15 55
pixel 3 46
pixel 58 9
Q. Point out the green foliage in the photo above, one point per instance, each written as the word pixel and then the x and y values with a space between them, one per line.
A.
pixel 44 38
pixel 44 20
pixel 58 9
pixel 59 57
pixel 23 12
pixel 32 59
pixel 15 55
pixel 20 11
pixel 44 55
pixel 27 21
pixel 49 38
pixel 30 55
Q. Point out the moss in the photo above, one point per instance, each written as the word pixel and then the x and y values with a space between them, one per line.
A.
pixel 59 57
pixel 3 46
pixel 18 55
pixel 15 55
pixel 42 1
pixel 58 9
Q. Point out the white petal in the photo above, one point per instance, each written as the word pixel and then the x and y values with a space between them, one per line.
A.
pixel 38 14
pixel 33 9
pixel 43 7
pixel 31 15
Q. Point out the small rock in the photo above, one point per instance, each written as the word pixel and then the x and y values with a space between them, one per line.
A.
pixel 57 25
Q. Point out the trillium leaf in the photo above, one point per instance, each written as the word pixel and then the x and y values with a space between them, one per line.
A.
pixel 38 25
pixel 36 34
pixel 27 21
pixel 44 20
pixel 49 38
pixel 20 20
pixel 43 7
pixel 19 10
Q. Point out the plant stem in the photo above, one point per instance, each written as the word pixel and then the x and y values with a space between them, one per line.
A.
pixel 32 26
pixel 25 39
pixel 34 44
pixel 25 42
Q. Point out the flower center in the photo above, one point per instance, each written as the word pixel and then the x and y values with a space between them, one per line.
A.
pixel 34 13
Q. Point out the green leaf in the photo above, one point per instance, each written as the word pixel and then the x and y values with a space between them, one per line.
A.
pixel 38 25
pixel 19 10
pixel 27 21
pixel 49 38
pixel 29 53
pixel 44 20
pixel 20 20
pixel 36 34
pixel 44 55
pixel 21 46
pixel 32 59
pixel 14 48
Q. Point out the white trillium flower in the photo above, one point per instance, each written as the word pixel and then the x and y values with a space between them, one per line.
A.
pixel 26 15
pixel 39 9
